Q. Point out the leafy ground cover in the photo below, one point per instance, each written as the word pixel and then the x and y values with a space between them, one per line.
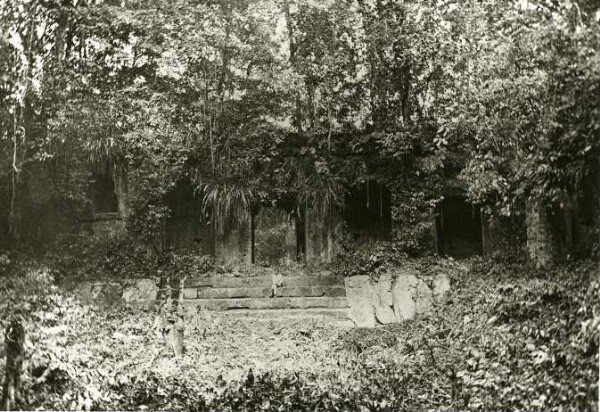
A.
pixel 510 338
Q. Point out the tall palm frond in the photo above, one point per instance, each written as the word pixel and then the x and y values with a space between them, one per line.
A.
pixel 318 189
pixel 227 203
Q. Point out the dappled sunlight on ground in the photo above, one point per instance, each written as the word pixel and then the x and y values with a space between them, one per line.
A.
pixel 217 344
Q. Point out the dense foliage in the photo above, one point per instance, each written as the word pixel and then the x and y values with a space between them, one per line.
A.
pixel 378 258
pixel 88 257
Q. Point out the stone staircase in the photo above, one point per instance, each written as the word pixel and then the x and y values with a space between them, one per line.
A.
pixel 266 296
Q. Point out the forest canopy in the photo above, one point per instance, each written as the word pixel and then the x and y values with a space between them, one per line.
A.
pixel 259 102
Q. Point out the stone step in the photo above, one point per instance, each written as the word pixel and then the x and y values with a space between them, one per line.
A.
pixel 270 314
pixel 263 292
pixel 268 303
pixel 263 281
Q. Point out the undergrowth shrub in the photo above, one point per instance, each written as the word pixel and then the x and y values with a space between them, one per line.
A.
pixel 86 256
pixel 509 338
pixel 515 338
pixel 186 264
pixel 83 256
pixel 385 257
pixel 371 260
pixel 414 223
pixel 28 292
pixel 382 387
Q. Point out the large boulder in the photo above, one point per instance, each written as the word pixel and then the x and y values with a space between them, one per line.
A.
pixel 404 296
pixel 424 295
pixel 394 297
pixel 359 296
pixel 383 300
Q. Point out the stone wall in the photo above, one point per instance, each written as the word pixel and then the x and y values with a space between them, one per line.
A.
pixel 394 297
pixel 140 292
pixel 233 247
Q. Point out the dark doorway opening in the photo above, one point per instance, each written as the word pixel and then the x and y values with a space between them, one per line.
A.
pixel 368 212
pixel 104 197
pixel 187 228
pixel 458 228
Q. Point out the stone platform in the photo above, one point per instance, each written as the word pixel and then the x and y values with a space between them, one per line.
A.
pixel 233 294
pixel 306 295
pixel 392 297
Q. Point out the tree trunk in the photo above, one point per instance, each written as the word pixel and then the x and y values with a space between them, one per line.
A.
pixel 293 48
pixel 14 337
pixel 541 237
pixel 310 90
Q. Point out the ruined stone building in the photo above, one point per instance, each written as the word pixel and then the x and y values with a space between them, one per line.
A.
pixel 285 233
pixel 280 235
pixel 276 235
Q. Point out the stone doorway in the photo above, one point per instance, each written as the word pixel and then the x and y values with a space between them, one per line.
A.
pixel 458 228
pixel 275 237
